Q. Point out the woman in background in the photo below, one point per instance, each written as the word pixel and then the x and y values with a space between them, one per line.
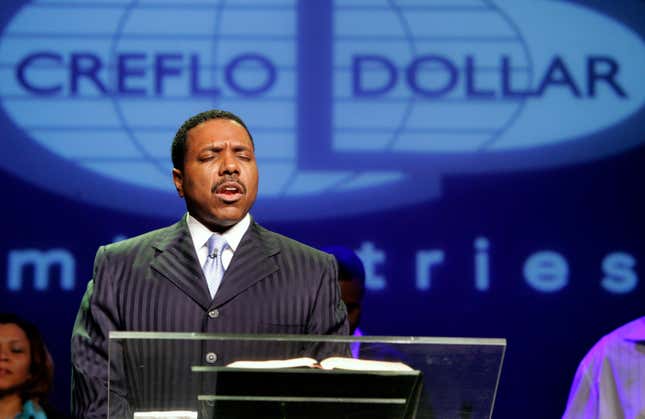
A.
pixel 26 370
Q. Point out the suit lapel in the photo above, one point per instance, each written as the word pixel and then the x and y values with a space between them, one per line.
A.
pixel 176 260
pixel 251 263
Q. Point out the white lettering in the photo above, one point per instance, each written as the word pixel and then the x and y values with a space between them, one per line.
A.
pixel 546 271
pixel 425 260
pixel 371 256
pixel 42 263
pixel 620 276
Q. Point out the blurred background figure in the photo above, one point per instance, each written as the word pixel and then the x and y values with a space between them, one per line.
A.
pixel 26 370
pixel 610 380
pixel 351 274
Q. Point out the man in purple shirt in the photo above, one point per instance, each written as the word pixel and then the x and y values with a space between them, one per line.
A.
pixel 610 380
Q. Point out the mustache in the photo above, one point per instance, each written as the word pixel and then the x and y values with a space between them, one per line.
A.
pixel 228 179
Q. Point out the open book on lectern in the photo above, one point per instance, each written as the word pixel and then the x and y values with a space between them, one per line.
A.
pixel 332 363
pixel 302 388
pixel 299 388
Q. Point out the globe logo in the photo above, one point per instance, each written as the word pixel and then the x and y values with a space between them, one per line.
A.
pixel 431 47
pixel 481 87
pixel 344 98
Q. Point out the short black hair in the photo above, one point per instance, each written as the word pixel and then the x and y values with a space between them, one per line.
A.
pixel 178 149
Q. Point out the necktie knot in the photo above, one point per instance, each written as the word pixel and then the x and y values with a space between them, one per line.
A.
pixel 216 244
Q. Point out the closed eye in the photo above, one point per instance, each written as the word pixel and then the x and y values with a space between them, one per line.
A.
pixel 244 156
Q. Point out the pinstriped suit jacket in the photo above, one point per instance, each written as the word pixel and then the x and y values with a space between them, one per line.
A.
pixel 153 282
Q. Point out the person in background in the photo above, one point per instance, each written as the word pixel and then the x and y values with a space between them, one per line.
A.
pixel 610 380
pixel 351 274
pixel 26 370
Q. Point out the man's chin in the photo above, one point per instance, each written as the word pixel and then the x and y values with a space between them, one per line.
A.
pixel 218 217
pixel 226 217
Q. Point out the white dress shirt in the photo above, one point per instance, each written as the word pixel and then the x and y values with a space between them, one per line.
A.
pixel 200 235
pixel 610 381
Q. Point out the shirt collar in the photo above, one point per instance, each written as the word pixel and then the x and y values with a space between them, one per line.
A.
pixel 635 331
pixel 200 233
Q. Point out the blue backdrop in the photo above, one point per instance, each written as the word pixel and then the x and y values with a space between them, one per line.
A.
pixel 484 158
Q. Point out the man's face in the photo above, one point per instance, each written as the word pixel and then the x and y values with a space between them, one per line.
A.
pixel 220 176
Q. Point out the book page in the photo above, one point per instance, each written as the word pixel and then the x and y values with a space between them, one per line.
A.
pixel 362 365
pixel 282 363
pixel 171 414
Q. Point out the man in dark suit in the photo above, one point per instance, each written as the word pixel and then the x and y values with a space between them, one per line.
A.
pixel 159 281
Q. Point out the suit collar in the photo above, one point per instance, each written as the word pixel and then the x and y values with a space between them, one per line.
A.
pixel 176 260
pixel 252 262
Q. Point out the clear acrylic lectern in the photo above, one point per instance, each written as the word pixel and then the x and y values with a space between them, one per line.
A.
pixel 189 375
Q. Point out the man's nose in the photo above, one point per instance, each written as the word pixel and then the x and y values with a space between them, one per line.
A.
pixel 229 163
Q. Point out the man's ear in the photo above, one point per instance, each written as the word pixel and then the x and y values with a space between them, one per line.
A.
pixel 178 179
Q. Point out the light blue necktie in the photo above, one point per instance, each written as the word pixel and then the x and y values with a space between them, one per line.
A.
pixel 213 267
